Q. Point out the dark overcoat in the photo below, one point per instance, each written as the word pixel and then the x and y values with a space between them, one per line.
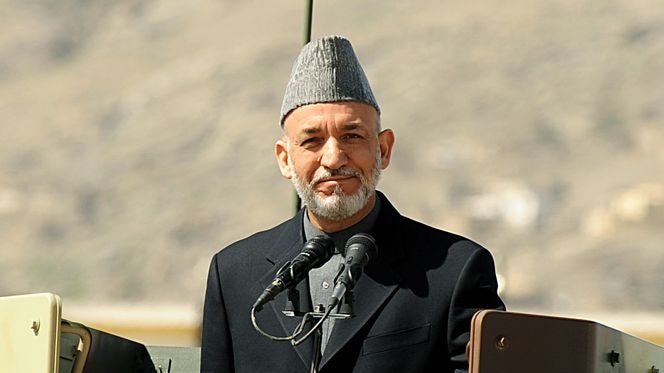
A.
pixel 413 304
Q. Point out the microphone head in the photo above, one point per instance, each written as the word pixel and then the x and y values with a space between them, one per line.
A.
pixel 319 250
pixel 362 244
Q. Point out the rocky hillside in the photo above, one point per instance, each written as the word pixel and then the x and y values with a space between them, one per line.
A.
pixel 137 138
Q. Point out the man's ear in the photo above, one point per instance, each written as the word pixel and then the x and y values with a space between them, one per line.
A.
pixel 385 142
pixel 281 152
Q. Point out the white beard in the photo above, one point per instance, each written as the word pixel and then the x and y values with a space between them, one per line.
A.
pixel 338 205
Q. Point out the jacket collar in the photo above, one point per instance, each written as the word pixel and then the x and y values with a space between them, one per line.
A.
pixel 385 231
pixel 287 245
pixel 372 290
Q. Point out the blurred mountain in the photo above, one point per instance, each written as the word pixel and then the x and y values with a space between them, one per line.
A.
pixel 137 138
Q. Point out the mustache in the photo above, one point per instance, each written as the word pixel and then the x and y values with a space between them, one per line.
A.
pixel 325 173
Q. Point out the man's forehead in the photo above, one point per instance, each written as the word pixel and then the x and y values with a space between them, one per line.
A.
pixel 343 115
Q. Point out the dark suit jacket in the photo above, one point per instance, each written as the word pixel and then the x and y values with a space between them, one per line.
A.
pixel 412 309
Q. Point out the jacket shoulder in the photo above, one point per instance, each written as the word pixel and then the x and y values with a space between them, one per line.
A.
pixel 429 235
pixel 257 243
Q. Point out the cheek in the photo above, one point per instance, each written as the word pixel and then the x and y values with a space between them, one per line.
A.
pixel 303 168
pixel 367 160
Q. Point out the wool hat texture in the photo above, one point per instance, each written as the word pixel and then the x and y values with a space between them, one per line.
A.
pixel 326 70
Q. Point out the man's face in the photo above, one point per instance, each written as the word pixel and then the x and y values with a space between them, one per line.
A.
pixel 333 154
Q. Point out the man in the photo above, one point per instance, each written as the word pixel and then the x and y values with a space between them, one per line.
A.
pixel 415 300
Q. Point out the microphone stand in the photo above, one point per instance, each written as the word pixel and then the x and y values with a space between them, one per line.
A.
pixel 320 313
pixel 318 354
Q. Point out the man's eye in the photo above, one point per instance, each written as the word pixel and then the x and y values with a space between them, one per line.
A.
pixel 310 141
pixel 352 136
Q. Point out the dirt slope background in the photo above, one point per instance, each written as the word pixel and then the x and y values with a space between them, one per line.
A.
pixel 136 139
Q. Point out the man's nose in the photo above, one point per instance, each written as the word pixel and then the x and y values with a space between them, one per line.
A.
pixel 333 156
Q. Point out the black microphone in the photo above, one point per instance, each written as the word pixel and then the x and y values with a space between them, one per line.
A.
pixel 315 253
pixel 360 249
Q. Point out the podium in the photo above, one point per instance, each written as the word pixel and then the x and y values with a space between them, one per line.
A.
pixel 35 339
pixel 511 342
pixel 30 333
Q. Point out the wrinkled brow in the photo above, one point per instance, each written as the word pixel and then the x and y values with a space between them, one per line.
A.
pixel 346 127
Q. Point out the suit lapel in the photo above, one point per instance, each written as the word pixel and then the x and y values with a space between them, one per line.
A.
pixel 378 283
pixel 285 248
pixel 376 286
pixel 370 294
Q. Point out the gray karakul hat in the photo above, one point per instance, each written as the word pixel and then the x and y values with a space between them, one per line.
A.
pixel 326 70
